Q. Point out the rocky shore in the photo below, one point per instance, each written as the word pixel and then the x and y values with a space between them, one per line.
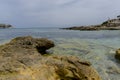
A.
pixel 26 58
pixel 112 24
pixel 5 26
pixel 117 55
pixel 92 28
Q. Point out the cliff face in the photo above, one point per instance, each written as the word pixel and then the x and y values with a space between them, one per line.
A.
pixel 5 26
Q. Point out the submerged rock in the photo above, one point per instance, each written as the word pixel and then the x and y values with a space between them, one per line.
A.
pixel 23 59
pixel 117 55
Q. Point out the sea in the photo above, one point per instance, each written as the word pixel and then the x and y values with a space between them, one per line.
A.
pixel 97 47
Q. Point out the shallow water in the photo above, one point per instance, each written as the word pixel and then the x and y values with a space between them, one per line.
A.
pixel 98 47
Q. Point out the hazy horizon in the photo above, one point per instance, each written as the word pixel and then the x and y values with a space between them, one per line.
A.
pixel 57 13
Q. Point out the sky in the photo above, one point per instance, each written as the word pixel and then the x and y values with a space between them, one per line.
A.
pixel 57 13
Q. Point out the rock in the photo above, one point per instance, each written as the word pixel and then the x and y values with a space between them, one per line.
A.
pixel 117 55
pixel 26 45
pixel 20 59
pixel 48 68
pixel 5 26
pixel 92 28
pixel 112 24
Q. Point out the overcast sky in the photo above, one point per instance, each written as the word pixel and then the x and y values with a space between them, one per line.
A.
pixel 57 13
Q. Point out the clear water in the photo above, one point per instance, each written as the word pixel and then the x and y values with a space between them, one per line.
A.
pixel 98 47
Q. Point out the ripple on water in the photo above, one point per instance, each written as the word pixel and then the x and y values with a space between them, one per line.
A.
pixel 101 56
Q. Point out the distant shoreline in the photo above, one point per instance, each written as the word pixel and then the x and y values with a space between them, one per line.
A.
pixel 4 26
pixel 111 24
pixel 81 28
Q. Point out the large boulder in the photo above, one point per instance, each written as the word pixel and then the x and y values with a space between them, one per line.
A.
pixel 21 60
pixel 117 55
pixel 26 45
pixel 47 68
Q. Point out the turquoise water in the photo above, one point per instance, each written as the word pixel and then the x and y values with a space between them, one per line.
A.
pixel 98 47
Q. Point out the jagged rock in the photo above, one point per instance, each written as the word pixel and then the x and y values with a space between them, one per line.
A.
pixel 21 60
pixel 117 55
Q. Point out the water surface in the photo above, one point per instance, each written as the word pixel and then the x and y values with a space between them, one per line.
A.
pixel 98 47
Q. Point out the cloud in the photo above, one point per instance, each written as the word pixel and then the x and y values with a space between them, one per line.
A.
pixel 58 13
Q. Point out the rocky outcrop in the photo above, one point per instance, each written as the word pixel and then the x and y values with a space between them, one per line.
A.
pixel 113 24
pixel 92 28
pixel 23 59
pixel 5 26
pixel 117 55
pixel 23 45
pixel 87 28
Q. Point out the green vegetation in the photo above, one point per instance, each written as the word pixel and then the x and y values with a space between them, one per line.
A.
pixel 105 23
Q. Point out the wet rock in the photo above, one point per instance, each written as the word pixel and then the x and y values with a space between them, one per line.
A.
pixel 117 55
pixel 21 60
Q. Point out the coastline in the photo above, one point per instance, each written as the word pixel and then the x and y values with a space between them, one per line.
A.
pixel 110 24
pixel 93 28
pixel 97 47
pixel 24 57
